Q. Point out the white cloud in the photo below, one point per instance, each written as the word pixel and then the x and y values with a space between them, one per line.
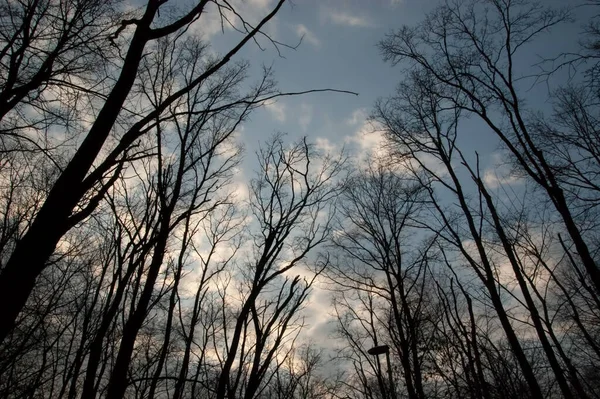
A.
pixel 368 142
pixel 232 146
pixel 433 164
pixel 368 137
pixel 318 315
pixel 499 173
pixel 323 144
pixel 277 110
pixel 358 116
pixel 209 24
pixel 307 36
pixel 344 18
pixel 305 117
pixel 494 178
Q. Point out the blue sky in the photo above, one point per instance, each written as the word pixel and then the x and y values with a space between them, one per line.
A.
pixel 338 51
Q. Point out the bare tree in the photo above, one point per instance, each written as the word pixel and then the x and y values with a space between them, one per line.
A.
pixel 291 203
pixel 78 189
pixel 477 71
pixel 380 211
pixel 458 69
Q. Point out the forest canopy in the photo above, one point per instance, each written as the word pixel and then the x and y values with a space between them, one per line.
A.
pixel 145 253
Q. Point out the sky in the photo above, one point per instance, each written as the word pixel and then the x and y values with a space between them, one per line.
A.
pixel 339 51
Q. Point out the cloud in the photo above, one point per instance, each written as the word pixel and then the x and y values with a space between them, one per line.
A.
pixel 364 141
pixel 500 173
pixel 277 111
pixel 318 317
pixel 368 139
pixel 367 134
pixel 232 146
pixel 495 178
pixel 345 18
pixel 209 24
pixel 305 117
pixel 325 145
pixel 358 117
pixel 307 36
pixel 367 143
